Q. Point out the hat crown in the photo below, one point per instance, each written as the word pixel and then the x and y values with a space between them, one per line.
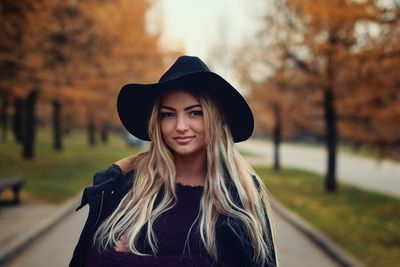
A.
pixel 184 65
pixel 136 101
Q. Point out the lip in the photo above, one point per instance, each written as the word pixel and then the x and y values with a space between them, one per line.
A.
pixel 183 139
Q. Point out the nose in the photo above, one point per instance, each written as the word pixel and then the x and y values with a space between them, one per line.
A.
pixel 181 124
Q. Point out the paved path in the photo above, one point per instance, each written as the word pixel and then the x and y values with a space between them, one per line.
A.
pixel 54 249
pixel 296 250
pixel 380 176
pixel 11 223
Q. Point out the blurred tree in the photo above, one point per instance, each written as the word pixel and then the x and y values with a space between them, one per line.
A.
pixel 17 119
pixel 325 30
pixel 128 53
pixel 65 43
pixel 13 18
pixel 320 39
pixel 281 102
pixel 4 116
pixel 30 125
pixel 18 80
pixel 76 54
pixel 370 107
pixel 284 108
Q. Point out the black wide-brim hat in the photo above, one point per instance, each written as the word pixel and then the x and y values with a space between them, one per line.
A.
pixel 135 101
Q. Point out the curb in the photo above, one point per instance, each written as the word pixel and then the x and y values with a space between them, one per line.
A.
pixel 332 250
pixel 11 249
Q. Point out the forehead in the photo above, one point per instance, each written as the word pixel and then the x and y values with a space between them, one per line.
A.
pixel 179 98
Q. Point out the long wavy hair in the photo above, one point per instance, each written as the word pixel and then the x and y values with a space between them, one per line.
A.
pixel 155 170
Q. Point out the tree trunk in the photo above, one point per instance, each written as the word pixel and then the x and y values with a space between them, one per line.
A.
pixel 330 118
pixel 4 117
pixel 331 139
pixel 91 132
pixel 57 144
pixel 104 134
pixel 330 128
pixel 17 119
pixel 277 136
pixel 30 125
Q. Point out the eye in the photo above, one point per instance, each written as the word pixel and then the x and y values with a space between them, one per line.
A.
pixel 196 113
pixel 166 114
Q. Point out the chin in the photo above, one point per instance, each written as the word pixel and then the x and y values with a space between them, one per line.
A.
pixel 186 151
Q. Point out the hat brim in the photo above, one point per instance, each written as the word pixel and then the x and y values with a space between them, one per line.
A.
pixel 135 102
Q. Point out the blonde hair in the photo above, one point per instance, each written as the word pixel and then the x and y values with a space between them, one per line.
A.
pixel 155 170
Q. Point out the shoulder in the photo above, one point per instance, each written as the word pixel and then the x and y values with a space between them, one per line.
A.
pixel 128 164
pixel 102 176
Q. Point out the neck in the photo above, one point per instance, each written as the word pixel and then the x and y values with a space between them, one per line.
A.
pixel 191 169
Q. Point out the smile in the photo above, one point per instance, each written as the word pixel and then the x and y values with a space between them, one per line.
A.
pixel 183 139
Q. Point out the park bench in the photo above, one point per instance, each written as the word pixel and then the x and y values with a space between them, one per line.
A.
pixel 15 184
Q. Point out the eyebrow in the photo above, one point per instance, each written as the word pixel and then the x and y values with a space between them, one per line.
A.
pixel 187 108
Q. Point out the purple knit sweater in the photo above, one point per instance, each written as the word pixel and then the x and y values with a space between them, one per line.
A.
pixel 171 230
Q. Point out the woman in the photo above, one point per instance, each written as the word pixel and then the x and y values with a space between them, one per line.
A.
pixel 190 200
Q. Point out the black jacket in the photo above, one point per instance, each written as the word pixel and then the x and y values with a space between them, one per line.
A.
pixel 108 189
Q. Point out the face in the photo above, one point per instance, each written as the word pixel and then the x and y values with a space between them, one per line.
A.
pixel 182 123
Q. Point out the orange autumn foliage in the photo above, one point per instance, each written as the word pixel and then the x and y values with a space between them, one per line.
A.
pixel 351 47
pixel 78 53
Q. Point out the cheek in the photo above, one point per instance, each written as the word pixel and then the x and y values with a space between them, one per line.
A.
pixel 166 127
pixel 200 127
pixel 206 132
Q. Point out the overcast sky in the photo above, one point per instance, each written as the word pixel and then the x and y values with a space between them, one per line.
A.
pixel 199 25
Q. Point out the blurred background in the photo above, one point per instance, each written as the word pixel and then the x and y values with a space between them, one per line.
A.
pixel 322 78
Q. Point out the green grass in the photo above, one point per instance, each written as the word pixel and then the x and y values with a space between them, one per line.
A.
pixel 55 176
pixel 364 223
